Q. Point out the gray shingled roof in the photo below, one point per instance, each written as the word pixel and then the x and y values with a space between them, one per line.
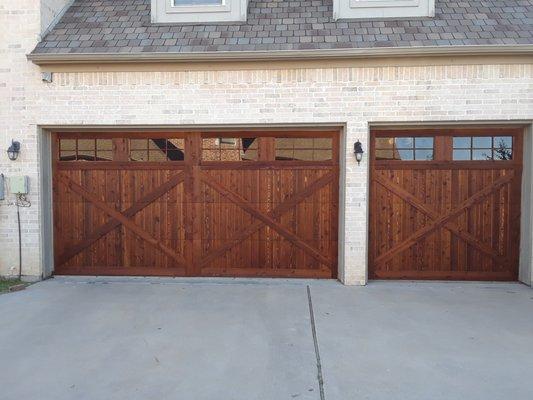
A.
pixel 123 26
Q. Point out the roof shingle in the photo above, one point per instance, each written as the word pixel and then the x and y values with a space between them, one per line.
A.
pixel 123 26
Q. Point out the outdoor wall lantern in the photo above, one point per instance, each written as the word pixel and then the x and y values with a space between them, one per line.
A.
pixel 13 150
pixel 358 151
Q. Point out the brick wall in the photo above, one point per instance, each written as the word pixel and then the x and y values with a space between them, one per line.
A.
pixel 355 96
pixel 351 95
pixel 20 24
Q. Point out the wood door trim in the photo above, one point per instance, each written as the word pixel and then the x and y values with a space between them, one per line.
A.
pixel 122 271
pixel 447 131
pixel 264 272
pixel 399 164
pixel 442 275
pixel 193 208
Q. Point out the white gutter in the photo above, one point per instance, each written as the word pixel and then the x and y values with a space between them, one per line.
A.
pixel 378 52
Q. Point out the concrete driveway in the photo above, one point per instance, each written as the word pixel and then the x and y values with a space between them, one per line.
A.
pixel 133 339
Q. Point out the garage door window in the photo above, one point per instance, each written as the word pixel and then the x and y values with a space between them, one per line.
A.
pixel 304 149
pixel 404 148
pixel 156 149
pixel 121 149
pixel 483 148
pixel 86 150
pixel 230 149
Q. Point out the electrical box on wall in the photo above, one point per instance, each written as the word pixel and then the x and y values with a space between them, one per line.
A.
pixel 19 184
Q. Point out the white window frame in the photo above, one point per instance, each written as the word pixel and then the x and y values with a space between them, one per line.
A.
pixel 165 12
pixel 365 9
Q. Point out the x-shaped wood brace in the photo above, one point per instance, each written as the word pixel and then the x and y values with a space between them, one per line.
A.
pixel 121 218
pixel 441 220
pixel 270 218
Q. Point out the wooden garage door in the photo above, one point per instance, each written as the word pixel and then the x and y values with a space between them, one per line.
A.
pixel 196 204
pixel 445 204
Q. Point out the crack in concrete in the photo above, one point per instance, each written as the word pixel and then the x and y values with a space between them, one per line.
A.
pixel 317 351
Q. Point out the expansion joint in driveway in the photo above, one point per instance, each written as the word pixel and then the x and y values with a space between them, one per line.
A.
pixel 315 340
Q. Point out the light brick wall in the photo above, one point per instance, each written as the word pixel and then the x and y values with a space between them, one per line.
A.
pixel 354 96
pixel 20 24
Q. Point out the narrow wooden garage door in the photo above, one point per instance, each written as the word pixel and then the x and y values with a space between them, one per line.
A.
pixel 196 204
pixel 445 204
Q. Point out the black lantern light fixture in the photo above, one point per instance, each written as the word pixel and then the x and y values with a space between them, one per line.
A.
pixel 358 151
pixel 13 150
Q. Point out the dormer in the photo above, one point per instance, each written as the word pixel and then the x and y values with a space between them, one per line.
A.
pixel 195 11
pixel 365 9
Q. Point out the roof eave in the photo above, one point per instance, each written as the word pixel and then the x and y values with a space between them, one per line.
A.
pixel 221 56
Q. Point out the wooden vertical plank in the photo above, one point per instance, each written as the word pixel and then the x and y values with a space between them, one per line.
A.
pixel 267 150
pixel 515 199
pixel 193 210
pixel 121 149
pixel 443 148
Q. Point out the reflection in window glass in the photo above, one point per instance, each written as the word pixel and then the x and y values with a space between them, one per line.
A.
pixel 482 142
pixel 67 144
pixel 462 142
pixel 104 149
pixel 405 154
pixel 104 144
pixel 384 154
pixel 424 142
pixel 503 141
pixel 230 149
pixel 86 144
pixel 77 150
pixel 503 148
pixel 304 149
pixel 424 155
pixel 404 148
pixel 403 143
pixel 158 150
pixel 384 143
pixel 482 154
pixel 482 148
pixel 460 154
pixel 86 149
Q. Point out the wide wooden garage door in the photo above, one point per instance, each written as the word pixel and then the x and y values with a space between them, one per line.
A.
pixel 445 204
pixel 196 204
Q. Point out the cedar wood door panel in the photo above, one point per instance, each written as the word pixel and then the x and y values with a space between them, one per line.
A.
pixel 445 219
pixel 197 218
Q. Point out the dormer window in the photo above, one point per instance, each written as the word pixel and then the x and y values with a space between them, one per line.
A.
pixel 365 9
pixel 179 3
pixel 183 11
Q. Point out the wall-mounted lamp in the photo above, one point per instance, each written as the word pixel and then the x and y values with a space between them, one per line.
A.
pixel 13 150
pixel 358 151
